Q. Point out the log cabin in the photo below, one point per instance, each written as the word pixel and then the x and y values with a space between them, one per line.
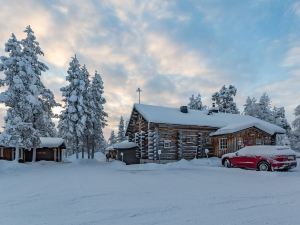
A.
pixel 170 134
pixel 50 149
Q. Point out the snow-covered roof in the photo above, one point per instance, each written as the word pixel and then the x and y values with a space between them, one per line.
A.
pixel 262 125
pixel 122 145
pixel 51 142
pixel 46 142
pixel 226 122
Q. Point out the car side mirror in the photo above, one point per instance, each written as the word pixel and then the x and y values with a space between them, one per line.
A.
pixel 237 153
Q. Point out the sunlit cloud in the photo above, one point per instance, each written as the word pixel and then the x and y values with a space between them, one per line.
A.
pixel 167 48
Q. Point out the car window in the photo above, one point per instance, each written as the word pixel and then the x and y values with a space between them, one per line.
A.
pixel 242 151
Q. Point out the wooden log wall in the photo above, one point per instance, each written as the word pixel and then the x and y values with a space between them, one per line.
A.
pixel 247 137
pixel 153 142
pixel 168 134
pixel 186 143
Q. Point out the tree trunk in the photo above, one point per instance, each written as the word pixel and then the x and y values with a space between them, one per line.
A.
pixel 93 151
pixel 17 154
pixel 33 154
pixel 77 149
pixel 82 152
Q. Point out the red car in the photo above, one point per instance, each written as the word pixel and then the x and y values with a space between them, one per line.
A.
pixel 261 157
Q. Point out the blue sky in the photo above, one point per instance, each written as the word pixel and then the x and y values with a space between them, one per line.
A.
pixel 170 49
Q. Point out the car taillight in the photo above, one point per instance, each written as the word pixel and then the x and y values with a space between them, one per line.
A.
pixel 291 157
pixel 281 158
pixel 284 158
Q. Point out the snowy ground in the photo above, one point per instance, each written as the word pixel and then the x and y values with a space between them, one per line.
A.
pixel 182 193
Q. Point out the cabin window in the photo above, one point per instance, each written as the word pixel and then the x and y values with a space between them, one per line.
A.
pixel 240 143
pixel 223 143
pixel 167 144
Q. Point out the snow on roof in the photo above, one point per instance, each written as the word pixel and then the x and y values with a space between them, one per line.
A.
pixel 51 142
pixel 122 145
pixel 226 121
pixel 262 125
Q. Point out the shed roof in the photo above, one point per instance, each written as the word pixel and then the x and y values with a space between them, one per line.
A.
pixel 51 142
pixel 47 142
pixel 226 122
pixel 122 145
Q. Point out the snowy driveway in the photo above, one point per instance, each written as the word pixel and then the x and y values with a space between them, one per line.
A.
pixel 196 192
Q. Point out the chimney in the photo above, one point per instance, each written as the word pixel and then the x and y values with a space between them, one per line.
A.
pixel 213 109
pixel 184 109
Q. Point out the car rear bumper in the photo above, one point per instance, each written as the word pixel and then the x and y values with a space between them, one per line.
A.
pixel 284 166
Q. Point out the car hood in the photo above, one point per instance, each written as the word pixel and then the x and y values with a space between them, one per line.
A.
pixel 228 155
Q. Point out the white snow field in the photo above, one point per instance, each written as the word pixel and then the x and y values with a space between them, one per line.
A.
pixel 92 192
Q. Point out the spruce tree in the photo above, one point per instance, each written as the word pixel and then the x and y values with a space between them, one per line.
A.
pixel 98 115
pixel 279 118
pixel 18 130
pixel 224 99
pixel 251 107
pixel 43 97
pixel 196 103
pixel 121 131
pixel 295 134
pixel 29 102
pixel 112 139
pixel 72 123
pixel 86 118
pixel 264 108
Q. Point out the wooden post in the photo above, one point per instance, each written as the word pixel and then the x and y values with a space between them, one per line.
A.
pixel 59 155
pixel 17 155
pixel 1 153
pixel 13 154
pixel 33 154
pixel 54 152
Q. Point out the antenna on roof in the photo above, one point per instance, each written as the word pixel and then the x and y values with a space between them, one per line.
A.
pixel 139 91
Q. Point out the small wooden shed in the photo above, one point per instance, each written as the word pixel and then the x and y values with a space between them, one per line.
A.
pixel 125 151
pixel 50 149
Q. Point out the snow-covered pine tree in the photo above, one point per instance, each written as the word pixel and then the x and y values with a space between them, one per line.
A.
pixel 26 96
pixel 251 107
pixel 43 97
pixel 86 118
pixel 121 131
pixel 196 103
pixel 295 134
pixel 279 118
pixel 112 139
pixel 18 131
pixel 72 123
pixel 264 111
pixel 99 122
pixel 224 99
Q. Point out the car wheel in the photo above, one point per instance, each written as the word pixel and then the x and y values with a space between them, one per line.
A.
pixel 227 163
pixel 263 166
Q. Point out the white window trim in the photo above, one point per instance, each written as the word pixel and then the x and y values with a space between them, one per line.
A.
pixel 167 143
pixel 222 146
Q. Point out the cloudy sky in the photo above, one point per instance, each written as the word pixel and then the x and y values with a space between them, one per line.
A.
pixel 170 49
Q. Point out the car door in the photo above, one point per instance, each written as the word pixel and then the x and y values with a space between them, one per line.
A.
pixel 247 159
pixel 237 160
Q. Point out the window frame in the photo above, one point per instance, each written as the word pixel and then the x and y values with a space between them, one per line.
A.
pixel 223 144
pixel 167 143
